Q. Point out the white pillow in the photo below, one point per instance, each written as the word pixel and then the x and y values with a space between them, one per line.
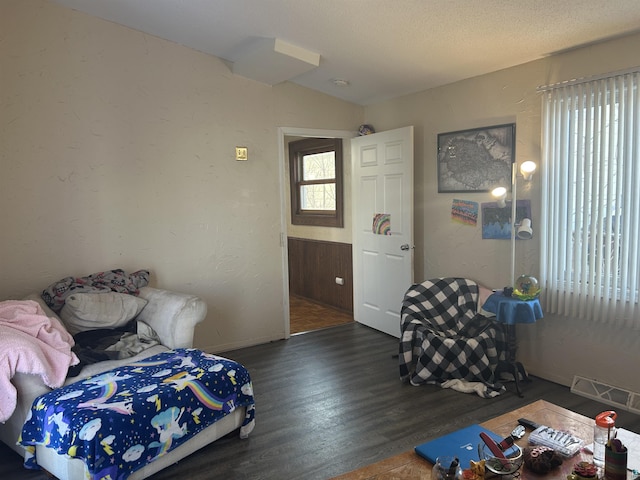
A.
pixel 91 311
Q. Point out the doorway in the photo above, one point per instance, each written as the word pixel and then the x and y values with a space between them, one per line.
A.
pixel 304 314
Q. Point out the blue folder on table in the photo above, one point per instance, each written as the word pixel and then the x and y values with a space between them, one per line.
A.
pixel 462 443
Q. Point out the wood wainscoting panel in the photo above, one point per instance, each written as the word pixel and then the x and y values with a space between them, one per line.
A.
pixel 313 268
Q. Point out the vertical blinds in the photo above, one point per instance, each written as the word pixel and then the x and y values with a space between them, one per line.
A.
pixel 591 199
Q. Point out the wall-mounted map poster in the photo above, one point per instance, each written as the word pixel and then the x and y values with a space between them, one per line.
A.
pixel 476 160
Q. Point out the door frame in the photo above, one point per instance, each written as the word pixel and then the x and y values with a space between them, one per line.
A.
pixel 283 132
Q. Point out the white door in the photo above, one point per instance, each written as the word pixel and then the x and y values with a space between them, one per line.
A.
pixel 382 196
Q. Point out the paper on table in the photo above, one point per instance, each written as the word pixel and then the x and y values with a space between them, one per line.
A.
pixel 632 442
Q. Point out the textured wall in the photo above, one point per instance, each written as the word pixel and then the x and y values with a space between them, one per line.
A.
pixel 117 151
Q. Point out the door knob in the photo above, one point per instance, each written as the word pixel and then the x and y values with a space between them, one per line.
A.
pixel 405 247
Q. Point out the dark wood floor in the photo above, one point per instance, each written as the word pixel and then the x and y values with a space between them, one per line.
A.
pixel 331 401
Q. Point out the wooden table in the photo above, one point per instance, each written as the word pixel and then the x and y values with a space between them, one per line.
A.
pixel 409 465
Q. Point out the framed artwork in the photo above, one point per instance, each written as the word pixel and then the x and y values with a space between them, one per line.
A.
pixel 496 221
pixel 476 160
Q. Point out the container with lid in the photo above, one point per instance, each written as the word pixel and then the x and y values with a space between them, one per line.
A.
pixel 604 430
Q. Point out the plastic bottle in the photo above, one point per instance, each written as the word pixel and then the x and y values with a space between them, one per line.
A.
pixel 604 430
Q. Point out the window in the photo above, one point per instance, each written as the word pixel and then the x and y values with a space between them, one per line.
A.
pixel 316 182
pixel 590 264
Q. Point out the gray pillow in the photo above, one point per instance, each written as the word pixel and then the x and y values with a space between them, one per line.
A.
pixel 91 311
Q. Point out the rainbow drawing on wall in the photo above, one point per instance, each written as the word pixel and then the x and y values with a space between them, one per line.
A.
pixel 382 224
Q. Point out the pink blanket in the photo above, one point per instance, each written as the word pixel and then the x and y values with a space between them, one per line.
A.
pixel 31 342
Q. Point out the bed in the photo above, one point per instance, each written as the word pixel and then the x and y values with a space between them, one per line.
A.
pixel 171 317
pixel 170 397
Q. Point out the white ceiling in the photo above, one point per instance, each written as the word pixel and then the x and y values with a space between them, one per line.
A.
pixel 383 48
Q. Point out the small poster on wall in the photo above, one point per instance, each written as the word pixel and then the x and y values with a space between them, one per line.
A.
pixel 465 212
pixel 496 221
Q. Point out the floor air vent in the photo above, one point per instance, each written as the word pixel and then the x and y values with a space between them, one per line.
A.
pixel 608 394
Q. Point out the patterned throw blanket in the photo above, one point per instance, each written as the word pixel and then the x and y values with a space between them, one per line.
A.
pixel 108 281
pixel 120 420
pixel 444 341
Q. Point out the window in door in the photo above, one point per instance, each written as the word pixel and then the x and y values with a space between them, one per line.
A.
pixel 316 182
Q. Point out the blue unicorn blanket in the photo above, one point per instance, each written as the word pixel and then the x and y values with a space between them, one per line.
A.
pixel 120 420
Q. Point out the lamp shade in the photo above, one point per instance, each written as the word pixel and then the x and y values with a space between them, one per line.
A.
pixel 527 168
pixel 500 194
pixel 525 232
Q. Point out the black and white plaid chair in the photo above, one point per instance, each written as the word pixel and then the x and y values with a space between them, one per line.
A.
pixel 444 338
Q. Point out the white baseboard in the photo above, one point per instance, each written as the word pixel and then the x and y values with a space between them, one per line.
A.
pixel 227 347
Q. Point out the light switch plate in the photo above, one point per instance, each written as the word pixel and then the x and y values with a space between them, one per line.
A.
pixel 242 153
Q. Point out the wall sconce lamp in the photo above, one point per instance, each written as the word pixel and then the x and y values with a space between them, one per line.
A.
pixel 523 229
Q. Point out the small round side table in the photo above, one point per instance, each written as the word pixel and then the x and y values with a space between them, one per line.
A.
pixel 509 311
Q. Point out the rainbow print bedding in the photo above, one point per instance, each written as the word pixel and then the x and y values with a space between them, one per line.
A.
pixel 120 420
